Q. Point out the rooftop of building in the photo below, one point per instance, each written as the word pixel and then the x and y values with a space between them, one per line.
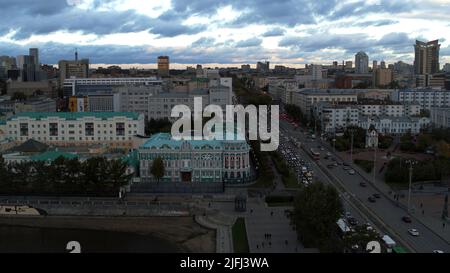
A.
pixel 52 155
pixel 75 115
pixel 165 140
pixel 30 146
pixel 392 118
pixel 423 90
pixel 317 91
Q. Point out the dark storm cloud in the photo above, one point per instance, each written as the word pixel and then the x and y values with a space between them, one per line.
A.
pixel 44 17
pixel 51 53
pixel 284 12
pixel 41 17
pixel 398 42
pixel 321 41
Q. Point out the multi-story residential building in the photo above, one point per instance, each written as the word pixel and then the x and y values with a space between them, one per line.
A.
pixel 306 98
pixel 40 104
pixel 382 77
pixel 282 89
pixel 74 129
pixel 47 88
pixel 197 161
pixel 263 67
pixel 394 125
pixel 440 117
pixel 87 86
pixel 160 106
pixel 361 63
pixel 446 68
pixel 426 98
pixel 145 96
pixel 73 69
pixel 163 66
pixel 426 59
pixel 27 67
pixel 338 116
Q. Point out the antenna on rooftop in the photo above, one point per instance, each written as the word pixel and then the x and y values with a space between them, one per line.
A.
pixel 76 54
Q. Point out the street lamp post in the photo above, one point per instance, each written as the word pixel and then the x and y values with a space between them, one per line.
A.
pixel 411 163
pixel 352 131
pixel 374 161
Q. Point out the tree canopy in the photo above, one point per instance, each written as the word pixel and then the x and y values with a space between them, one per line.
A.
pixel 95 176
pixel 158 169
pixel 316 210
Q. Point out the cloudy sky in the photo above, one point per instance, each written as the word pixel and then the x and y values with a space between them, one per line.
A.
pixel 222 32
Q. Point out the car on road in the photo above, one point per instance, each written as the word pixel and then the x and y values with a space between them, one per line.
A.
pixel 406 219
pixel 376 195
pixel 362 184
pixel 438 251
pixel 328 154
pixel 352 221
pixel 346 164
pixel 414 232
pixel 368 227
pixel 346 168
pixel 351 172
pixel 372 199
pixel 330 166
pixel 348 214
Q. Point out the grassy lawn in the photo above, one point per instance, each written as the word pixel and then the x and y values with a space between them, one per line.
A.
pixel 287 174
pixel 366 165
pixel 240 241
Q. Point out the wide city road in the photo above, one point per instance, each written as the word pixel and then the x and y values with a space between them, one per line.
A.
pixel 385 213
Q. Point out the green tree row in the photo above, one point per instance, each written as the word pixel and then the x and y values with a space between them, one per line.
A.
pixel 427 170
pixel 95 176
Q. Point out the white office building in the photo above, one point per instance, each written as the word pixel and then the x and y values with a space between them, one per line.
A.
pixel 440 117
pixel 74 129
pixel 395 125
pixel 426 98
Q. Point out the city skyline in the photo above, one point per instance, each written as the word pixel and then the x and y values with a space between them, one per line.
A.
pixel 229 33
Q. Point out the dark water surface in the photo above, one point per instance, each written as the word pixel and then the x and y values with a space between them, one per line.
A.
pixel 14 239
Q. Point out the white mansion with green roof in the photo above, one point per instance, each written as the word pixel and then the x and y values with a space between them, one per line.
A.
pixel 115 129
pixel 225 161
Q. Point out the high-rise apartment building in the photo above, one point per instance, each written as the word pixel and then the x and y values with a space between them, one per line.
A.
pixel 426 59
pixel 374 65
pixel 163 66
pixel 361 63
pixel 263 67
pixel 73 69
pixel 382 77
pixel 27 67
